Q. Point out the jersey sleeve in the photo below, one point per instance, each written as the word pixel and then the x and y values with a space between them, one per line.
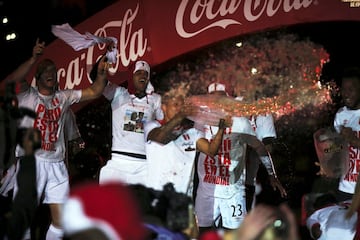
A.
pixel 71 130
pixel 265 126
pixel 73 96
pixel 109 90
pixel 159 114
pixel 148 126
pixel 338 123
pixel 242 125
pixel 312 219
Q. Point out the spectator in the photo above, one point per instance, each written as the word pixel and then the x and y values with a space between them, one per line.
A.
pixel 102 212
pixel 263 222
pixel 167 214
pixel 328 221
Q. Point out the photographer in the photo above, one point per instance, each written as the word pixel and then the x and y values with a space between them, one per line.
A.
pixel 16 216
pixel 24 204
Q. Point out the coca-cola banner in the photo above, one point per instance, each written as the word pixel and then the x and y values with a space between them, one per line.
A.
pixel 159 30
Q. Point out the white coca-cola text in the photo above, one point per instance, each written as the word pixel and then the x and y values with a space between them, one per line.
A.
pixel 228 12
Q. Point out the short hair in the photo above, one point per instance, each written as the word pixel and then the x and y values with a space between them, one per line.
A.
pixel 41 67
pixel 169 96
pixel 178 90
pixel 324 200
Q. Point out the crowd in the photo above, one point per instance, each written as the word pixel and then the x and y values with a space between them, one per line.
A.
pixel 168 177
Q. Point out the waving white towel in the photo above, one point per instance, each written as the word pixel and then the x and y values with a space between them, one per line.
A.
pixel 80 41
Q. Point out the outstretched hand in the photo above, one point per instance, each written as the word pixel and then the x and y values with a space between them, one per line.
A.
pixel 261 218
pixel 256 221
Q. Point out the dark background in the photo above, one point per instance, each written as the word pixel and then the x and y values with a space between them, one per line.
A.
pixel 33 18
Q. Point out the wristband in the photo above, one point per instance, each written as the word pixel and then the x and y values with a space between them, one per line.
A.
pixel 266 160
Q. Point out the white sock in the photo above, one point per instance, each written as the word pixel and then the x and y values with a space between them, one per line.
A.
pixel 54 233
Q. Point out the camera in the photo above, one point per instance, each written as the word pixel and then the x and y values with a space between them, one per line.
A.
pixel 278 229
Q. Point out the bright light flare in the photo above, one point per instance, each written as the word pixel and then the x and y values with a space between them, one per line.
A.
pixel 11 36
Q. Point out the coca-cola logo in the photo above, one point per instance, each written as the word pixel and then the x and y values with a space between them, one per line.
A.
pixel 193 17
pixel 132 45
pixel 228 12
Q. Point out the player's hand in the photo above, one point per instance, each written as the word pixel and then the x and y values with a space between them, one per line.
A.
pixel 103 67
pixel 188 110
pixel 291 218
pixel 228 121
pixel 254 223
pixel 276 185
pixel 38 49
pixel 321 171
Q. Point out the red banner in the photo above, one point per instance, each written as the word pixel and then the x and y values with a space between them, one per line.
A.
pixel 159 30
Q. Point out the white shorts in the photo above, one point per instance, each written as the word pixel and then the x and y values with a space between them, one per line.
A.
pixel 52 182
pixel 123 170
pixel 232 210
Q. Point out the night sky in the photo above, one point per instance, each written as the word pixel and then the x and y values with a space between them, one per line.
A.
pixel 32 19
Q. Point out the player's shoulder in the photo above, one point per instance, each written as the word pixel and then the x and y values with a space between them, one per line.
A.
pixel 67 92
pixel 344 111
pixel 154 97
pixel 236 120
pixel 341 110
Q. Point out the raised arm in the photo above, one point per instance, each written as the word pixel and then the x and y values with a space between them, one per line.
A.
pixel 211 148
pixel 96 89
pixel 164 134
pixel 266 160
pixel 19 75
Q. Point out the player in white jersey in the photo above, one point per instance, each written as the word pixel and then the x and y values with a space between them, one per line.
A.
pixel 129 113
pixel 347 123
pixel 264 128
pixel 329 221
pixel 172 145
pixel 50 106
pixel 221 189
